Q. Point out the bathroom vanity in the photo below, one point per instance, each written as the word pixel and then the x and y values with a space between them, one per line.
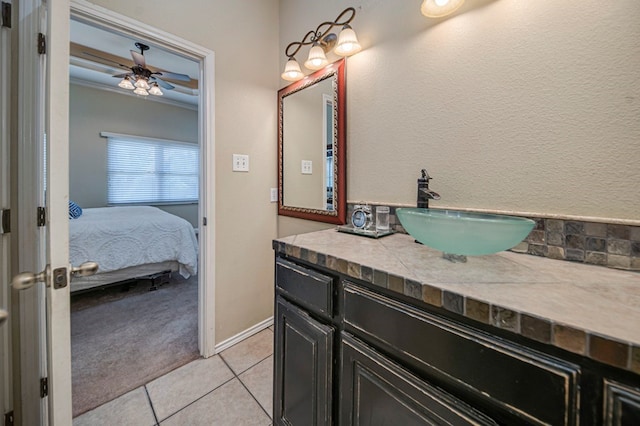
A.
pixel 387 332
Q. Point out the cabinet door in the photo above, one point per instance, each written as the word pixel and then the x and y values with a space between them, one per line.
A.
pixel 303 368
pixel 622 404
pixel 521 385
pixel 376 391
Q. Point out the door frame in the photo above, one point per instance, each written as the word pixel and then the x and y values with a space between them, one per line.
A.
pixel 101 17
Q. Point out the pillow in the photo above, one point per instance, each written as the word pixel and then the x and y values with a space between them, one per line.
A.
pixel 74 210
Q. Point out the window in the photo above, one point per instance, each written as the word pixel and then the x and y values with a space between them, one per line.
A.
pixel 151 171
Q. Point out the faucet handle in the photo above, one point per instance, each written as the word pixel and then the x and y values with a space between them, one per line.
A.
pixel 425 174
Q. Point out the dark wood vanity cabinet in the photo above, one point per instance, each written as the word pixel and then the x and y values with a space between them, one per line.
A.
pixel 304 347
pixel 303 368
pixel 376 391
pixel 622 404
pixel 348 353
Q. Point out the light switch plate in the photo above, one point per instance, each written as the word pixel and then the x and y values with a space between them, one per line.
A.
pixel 240 163
pixel 307 167
pixel 274 195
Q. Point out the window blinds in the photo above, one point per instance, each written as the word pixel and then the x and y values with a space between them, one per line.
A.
pixel 141 170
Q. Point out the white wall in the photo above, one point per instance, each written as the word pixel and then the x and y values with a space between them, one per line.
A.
pixel 525 106
pixel 92 111
pixel 244 36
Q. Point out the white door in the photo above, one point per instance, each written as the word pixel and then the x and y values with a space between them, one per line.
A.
pixel 6 59
pixel 45 348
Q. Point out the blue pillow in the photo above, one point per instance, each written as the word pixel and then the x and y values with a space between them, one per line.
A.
pixel 74 210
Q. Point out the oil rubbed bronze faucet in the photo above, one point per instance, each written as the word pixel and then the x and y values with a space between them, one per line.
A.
pixel 424 193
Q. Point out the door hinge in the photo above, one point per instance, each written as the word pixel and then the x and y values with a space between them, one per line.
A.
pixel 44 387
pixel 42 44
pixel 8 418
pixel 6 14
pixel 42 216
pixel 204 221
pixel 5 221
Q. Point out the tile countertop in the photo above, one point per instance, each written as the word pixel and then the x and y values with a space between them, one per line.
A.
pixel 589 310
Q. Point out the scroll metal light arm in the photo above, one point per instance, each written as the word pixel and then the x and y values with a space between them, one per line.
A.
pixel 323 37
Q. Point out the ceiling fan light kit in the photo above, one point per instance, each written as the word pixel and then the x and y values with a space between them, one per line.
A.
pixel 155 90
pixel 140 91
pixel 126 83
pixel 141 83
pixel 142 80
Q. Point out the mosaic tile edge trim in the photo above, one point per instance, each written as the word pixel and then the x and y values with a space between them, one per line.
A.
pixel 609 351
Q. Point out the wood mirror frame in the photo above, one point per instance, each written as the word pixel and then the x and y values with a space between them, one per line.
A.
pixel 335 72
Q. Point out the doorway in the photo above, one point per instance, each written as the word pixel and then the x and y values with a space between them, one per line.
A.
pixel 115 23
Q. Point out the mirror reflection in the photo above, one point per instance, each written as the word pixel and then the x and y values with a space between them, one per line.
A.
pixel 311 146
pixel 308 150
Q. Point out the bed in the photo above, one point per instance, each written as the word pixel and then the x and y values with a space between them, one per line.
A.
pixel 130 242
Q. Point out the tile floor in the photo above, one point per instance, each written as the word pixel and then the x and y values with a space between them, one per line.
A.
pixel 232 388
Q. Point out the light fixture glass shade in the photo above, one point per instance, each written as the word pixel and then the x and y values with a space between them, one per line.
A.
pixel 439 8
pixel 347 44
pixel 292 71
pixel 126 83
pixel 142 83
pixel 140 91
pixel 317 59
pixel 155 90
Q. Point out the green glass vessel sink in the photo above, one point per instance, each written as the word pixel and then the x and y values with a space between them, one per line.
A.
pixel 464 233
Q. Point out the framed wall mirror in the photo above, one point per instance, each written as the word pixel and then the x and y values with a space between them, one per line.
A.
pixel 312 146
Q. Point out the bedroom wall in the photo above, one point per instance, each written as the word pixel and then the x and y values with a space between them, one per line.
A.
pixel 92 111
pixel 524 106
pixel 244 36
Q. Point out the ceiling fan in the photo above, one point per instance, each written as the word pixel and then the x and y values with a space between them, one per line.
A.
pixel 144 81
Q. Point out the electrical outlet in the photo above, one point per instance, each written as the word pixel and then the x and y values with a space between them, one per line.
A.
pixel 307 167
pixel 240 163
pixel 274 195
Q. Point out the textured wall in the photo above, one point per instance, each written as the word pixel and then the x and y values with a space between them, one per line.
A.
pixel 88 150
pixel 526 106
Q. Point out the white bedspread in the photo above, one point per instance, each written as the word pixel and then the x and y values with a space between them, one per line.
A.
pixel 119 237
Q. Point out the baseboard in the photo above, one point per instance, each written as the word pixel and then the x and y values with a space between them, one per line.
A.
pixel 225 344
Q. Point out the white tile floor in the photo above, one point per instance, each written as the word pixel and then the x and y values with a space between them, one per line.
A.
pixel 232 388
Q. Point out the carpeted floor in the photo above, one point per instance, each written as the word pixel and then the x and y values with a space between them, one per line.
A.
pixel 121 340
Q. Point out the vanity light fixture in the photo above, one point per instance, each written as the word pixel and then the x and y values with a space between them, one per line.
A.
pixel 322 40
pixel 439 8
pixel 317 59
pixel 292 71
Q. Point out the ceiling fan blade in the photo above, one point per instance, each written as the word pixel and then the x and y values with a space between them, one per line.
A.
pixel 123 75
pixel 163 83
pixel 106 59
pixel 174 76
pixel 138 58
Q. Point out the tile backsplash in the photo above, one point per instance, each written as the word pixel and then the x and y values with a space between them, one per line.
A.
pixel 605 244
